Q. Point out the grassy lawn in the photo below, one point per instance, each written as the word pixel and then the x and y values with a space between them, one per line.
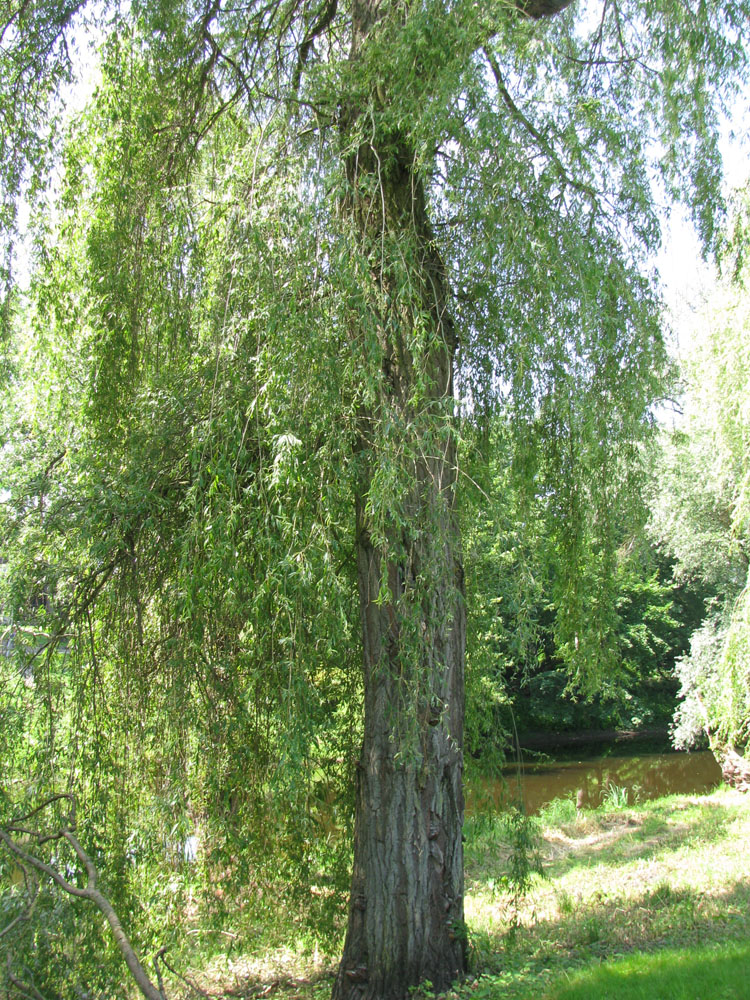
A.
pixel 717 971
pixel 647 902
pixel 637 902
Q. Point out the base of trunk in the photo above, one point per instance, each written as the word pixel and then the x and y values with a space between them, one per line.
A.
pixel 735 769
pixel 406 912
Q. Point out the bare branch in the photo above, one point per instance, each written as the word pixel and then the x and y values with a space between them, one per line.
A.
pixel 46 869
pixel 91 872
pixel 188 982
pixel 90 892
pixel 159 977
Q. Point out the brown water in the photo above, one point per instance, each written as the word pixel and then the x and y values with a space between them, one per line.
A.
pixel 647 776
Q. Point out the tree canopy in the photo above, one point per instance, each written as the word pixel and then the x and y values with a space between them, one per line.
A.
pixel 700 514
pixel 287 264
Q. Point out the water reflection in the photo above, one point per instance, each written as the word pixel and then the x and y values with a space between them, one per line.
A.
pixel 647 776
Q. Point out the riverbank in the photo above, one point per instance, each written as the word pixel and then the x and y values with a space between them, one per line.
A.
pixel 649 894
pixel 556 741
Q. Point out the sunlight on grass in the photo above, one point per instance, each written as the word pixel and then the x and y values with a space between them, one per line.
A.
pixel 716 973
pixel 645 902
pixel 667 874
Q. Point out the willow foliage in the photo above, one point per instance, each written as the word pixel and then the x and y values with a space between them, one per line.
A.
pixel 189 535
pixel 205 392
pixel 701 515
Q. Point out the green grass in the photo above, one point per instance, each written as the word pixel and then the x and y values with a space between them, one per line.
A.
pixel 644 901
pixel 719 972
pixel 635 898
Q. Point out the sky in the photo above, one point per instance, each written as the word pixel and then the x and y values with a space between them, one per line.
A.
pixel 687 278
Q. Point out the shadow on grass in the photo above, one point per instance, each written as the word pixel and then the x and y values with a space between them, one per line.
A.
pixel 602 839
pixel 249 986
pixel 659 916
pixel 609 928
pixel 712 973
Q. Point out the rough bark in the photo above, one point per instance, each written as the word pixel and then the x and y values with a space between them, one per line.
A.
pixel 406 909
pixel 406 906
pixel 735 768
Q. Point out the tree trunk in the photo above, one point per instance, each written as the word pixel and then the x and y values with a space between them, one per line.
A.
pixel 735 768
pixel 406 906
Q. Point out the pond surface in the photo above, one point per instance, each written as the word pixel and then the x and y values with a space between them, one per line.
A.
pixel 646 776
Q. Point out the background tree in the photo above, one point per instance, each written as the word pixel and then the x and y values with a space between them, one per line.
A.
pixel 521 677
pixel 701 516
pixel 290 238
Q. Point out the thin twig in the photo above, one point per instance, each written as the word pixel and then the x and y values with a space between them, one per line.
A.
pixel 47 802
pixel 188 982
pixel 25 913
pixel 28 989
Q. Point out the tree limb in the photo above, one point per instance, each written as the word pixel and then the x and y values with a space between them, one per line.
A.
pixel 537 9
pixel 539 137
pixel 90 891
pixel 44 805
pixel 188 982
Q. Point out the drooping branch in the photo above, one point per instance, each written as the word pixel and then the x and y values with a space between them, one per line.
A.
pixel 735 768
pixel 541 140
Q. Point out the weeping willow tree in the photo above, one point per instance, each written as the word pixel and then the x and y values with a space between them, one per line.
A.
pixel 293 247
pixel 700 514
